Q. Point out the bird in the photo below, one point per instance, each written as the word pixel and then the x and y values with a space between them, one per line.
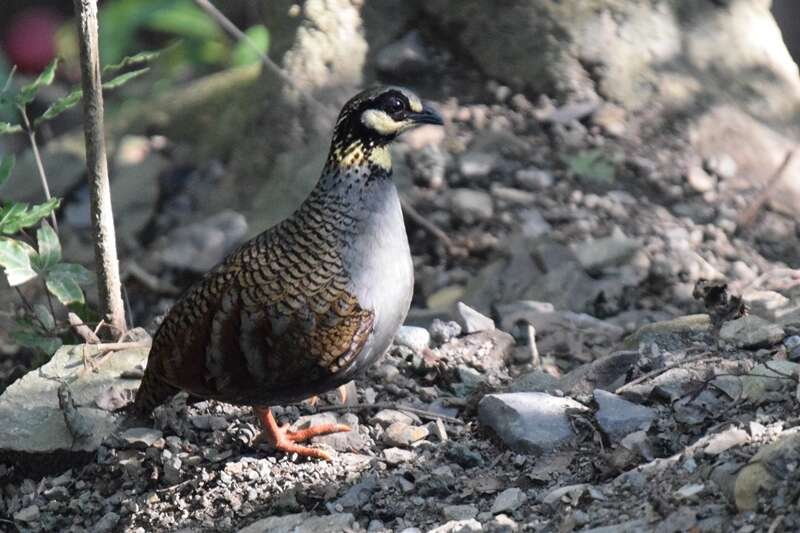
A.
pixel 310 303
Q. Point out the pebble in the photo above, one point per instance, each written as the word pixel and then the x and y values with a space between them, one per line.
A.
pixel 402 434
pixel 413 337
pixel 473 321
pixel 395 456
pixel 28 514
pixel 387 417
pixel 534 178
pixel 618 417
pixel 405 56
pixel 477 164
pixel 458 526
pixel 459 512
pixel 108 522
pixel 141 437
pixel 471 204
pixel 508 500
pixel 529 422
pixel 751 332
pixel 699 180
pixel 442 331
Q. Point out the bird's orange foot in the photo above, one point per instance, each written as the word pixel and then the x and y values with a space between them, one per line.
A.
pixel 286 441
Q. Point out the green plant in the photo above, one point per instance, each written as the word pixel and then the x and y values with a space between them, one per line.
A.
pixel 25 258
pixel 591 165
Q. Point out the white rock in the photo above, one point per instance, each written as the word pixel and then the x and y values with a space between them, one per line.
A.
pixel 473 321
pixel 413 337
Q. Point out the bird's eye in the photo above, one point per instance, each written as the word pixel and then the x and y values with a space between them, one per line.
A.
pixel 394 105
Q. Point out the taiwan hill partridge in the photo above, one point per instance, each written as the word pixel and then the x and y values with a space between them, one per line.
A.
pixel 305 306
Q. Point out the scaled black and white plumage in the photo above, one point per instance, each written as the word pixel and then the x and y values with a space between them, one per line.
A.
pixel 311 302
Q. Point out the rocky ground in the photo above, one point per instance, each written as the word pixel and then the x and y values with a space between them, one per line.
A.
pixel 557 372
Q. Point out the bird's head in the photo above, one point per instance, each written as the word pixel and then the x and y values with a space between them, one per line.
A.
pixel 371 120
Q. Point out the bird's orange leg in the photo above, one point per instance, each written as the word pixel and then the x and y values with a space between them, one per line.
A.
pixel 284 440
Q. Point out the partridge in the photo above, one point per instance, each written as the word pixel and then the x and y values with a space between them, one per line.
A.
pixel 310 303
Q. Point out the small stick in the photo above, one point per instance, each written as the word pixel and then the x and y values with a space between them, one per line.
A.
pixel 751 212
pixel 536 359
pixel 38 158
pixel 387 405
pixel 103 346
pixel 84 331
pixel 150 281
pixel 432 228
pixel 696 359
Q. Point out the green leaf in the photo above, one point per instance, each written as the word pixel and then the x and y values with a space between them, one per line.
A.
pixel 591 165
pixel 15 216
pixel 34 339
pixel 136 59
pixel 64 287
pixel 184 19
pixel 7 127
pixel 15 258
pixel 44 316
pixel 6 166
pixel 243 54
pixel 49 248
pixel 28 92
pixel 79 273
pixel 124 78
pixel 59 106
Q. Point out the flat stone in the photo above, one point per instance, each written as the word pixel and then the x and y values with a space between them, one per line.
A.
pixel 508 500
pixel 477 164
pixel 413 337
pixel 402 434
pixel 458 526
pixel 387 417
pixel 751 332
pixel 529 422
pixel 27 514
pixel 32 419
pixel 396 456
pixel 671 335
pixel 459 512
pixel 303 523
pixel 535 381
pixel 140 437
pixel 618 417
pixel 471 204
pixel 608 251
pixel 472 321
pixel 534 178
pixel 726 440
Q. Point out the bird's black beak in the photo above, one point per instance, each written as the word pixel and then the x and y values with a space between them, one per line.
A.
pixel 428 115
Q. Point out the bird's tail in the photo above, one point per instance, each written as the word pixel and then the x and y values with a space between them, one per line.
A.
pixel 152 392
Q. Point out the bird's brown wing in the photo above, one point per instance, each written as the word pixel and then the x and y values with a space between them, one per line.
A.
pixel 273 323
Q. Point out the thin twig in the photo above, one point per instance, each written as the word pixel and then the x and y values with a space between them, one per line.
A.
pixel 84 331
pixel 432 415
pixel 749 214
pixel 239 35
pixel 696 359
pixel 8 80
pixel 429 226
pixel 150 281
pixel 29 307
pixel 38 158
pixel 112 346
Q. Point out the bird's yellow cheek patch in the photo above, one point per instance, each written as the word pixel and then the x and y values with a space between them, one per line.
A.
pixel 381 122
pixel 381 157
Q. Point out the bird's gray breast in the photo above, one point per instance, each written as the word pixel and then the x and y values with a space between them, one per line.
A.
pixel 379 261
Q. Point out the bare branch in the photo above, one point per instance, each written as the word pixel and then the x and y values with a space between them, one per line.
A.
pixel 107 264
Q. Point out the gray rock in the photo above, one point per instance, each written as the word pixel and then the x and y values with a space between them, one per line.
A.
pixel 405 56
pixel 387 417
pixel 751 332
pixel 529 422
pixel 508 500
pixel 413 337
pixel 396 456
pixel 200 246
pixel 442 331
pixel 172 470
pixel 533 223
pixel 534 178
pixel 30 410
pixel 472 321
pixel 343 441
pixel 471 205
pixel 304 523
pixel 618 417
pixel 477 164
pixel 27 514
pixel 108 522
pixel 458 526
pixel 606 373
pixel 359 494
pixel 140 437
pixel 459 512
pixel 671 335
pixel 792 345
pixel 613 250
pixel 402 434
pixel 536 381
pixel 512 195
pixel 699 180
